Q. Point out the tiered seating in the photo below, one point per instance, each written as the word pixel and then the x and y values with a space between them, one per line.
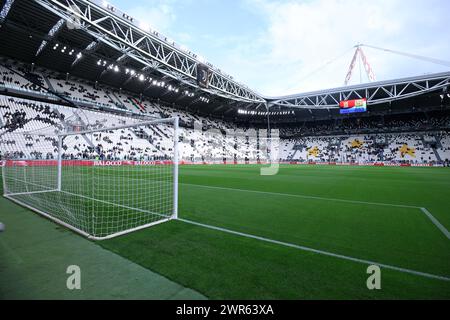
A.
pixel 82 92
pixel 204 139
pixel 412 148
pixel 34 82
pixel 155 142
pixel 25 123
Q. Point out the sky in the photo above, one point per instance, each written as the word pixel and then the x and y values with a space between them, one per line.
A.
pixel 280 47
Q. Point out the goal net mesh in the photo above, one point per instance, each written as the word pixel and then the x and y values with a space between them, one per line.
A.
pixel 102 183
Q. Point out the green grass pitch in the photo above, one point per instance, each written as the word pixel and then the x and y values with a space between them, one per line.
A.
pixel 367 213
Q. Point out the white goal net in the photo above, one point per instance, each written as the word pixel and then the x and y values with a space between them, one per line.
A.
pixel 101 182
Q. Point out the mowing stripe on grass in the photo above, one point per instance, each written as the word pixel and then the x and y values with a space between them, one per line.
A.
pixel 326 253
pixel 424 210
pixel 436 222
pixel 305 196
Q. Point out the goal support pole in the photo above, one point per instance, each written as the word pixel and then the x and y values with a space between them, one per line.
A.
pixel 175 169
pixel 60 138
pixel 5 190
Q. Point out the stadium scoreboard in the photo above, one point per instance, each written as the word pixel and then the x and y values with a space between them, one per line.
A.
pixel 353 106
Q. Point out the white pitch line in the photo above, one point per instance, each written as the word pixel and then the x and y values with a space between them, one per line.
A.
pixel 30 192
pixel 321 252
pixel 306 196
pixel 436 222
pixel 424 210
pixel 31 183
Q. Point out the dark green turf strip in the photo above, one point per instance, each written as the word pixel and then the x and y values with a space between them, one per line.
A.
pixel 35 253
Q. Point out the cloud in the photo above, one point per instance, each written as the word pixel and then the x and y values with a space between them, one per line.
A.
pixel 160 15
pixel 294 46
pixel 301 36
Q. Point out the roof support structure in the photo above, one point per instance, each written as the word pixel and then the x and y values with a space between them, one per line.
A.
pixel 143 47
pixel 91 48
pixel 5 10
pixel 52 34
pixel 375 93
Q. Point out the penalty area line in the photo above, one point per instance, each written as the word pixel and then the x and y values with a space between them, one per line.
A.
pixel 305 196
pixel 436 222
pixel 321 252
pixel 422 209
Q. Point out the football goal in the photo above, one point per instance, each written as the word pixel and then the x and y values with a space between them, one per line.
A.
pixel 102 181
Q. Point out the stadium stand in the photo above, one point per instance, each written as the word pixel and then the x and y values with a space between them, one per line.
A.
pixel 405 138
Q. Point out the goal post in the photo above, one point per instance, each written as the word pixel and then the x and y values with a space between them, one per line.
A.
pixel 102 182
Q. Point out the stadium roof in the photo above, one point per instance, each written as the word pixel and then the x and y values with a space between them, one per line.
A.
pixel 93 40
pixel 375 92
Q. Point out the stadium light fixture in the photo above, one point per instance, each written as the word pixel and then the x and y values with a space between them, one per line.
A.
pixel 141 77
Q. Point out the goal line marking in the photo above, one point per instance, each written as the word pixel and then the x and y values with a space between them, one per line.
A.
pixel 116 204
pixel 321 252
pixel 422 209
pixel 80 196
pixel 30 192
